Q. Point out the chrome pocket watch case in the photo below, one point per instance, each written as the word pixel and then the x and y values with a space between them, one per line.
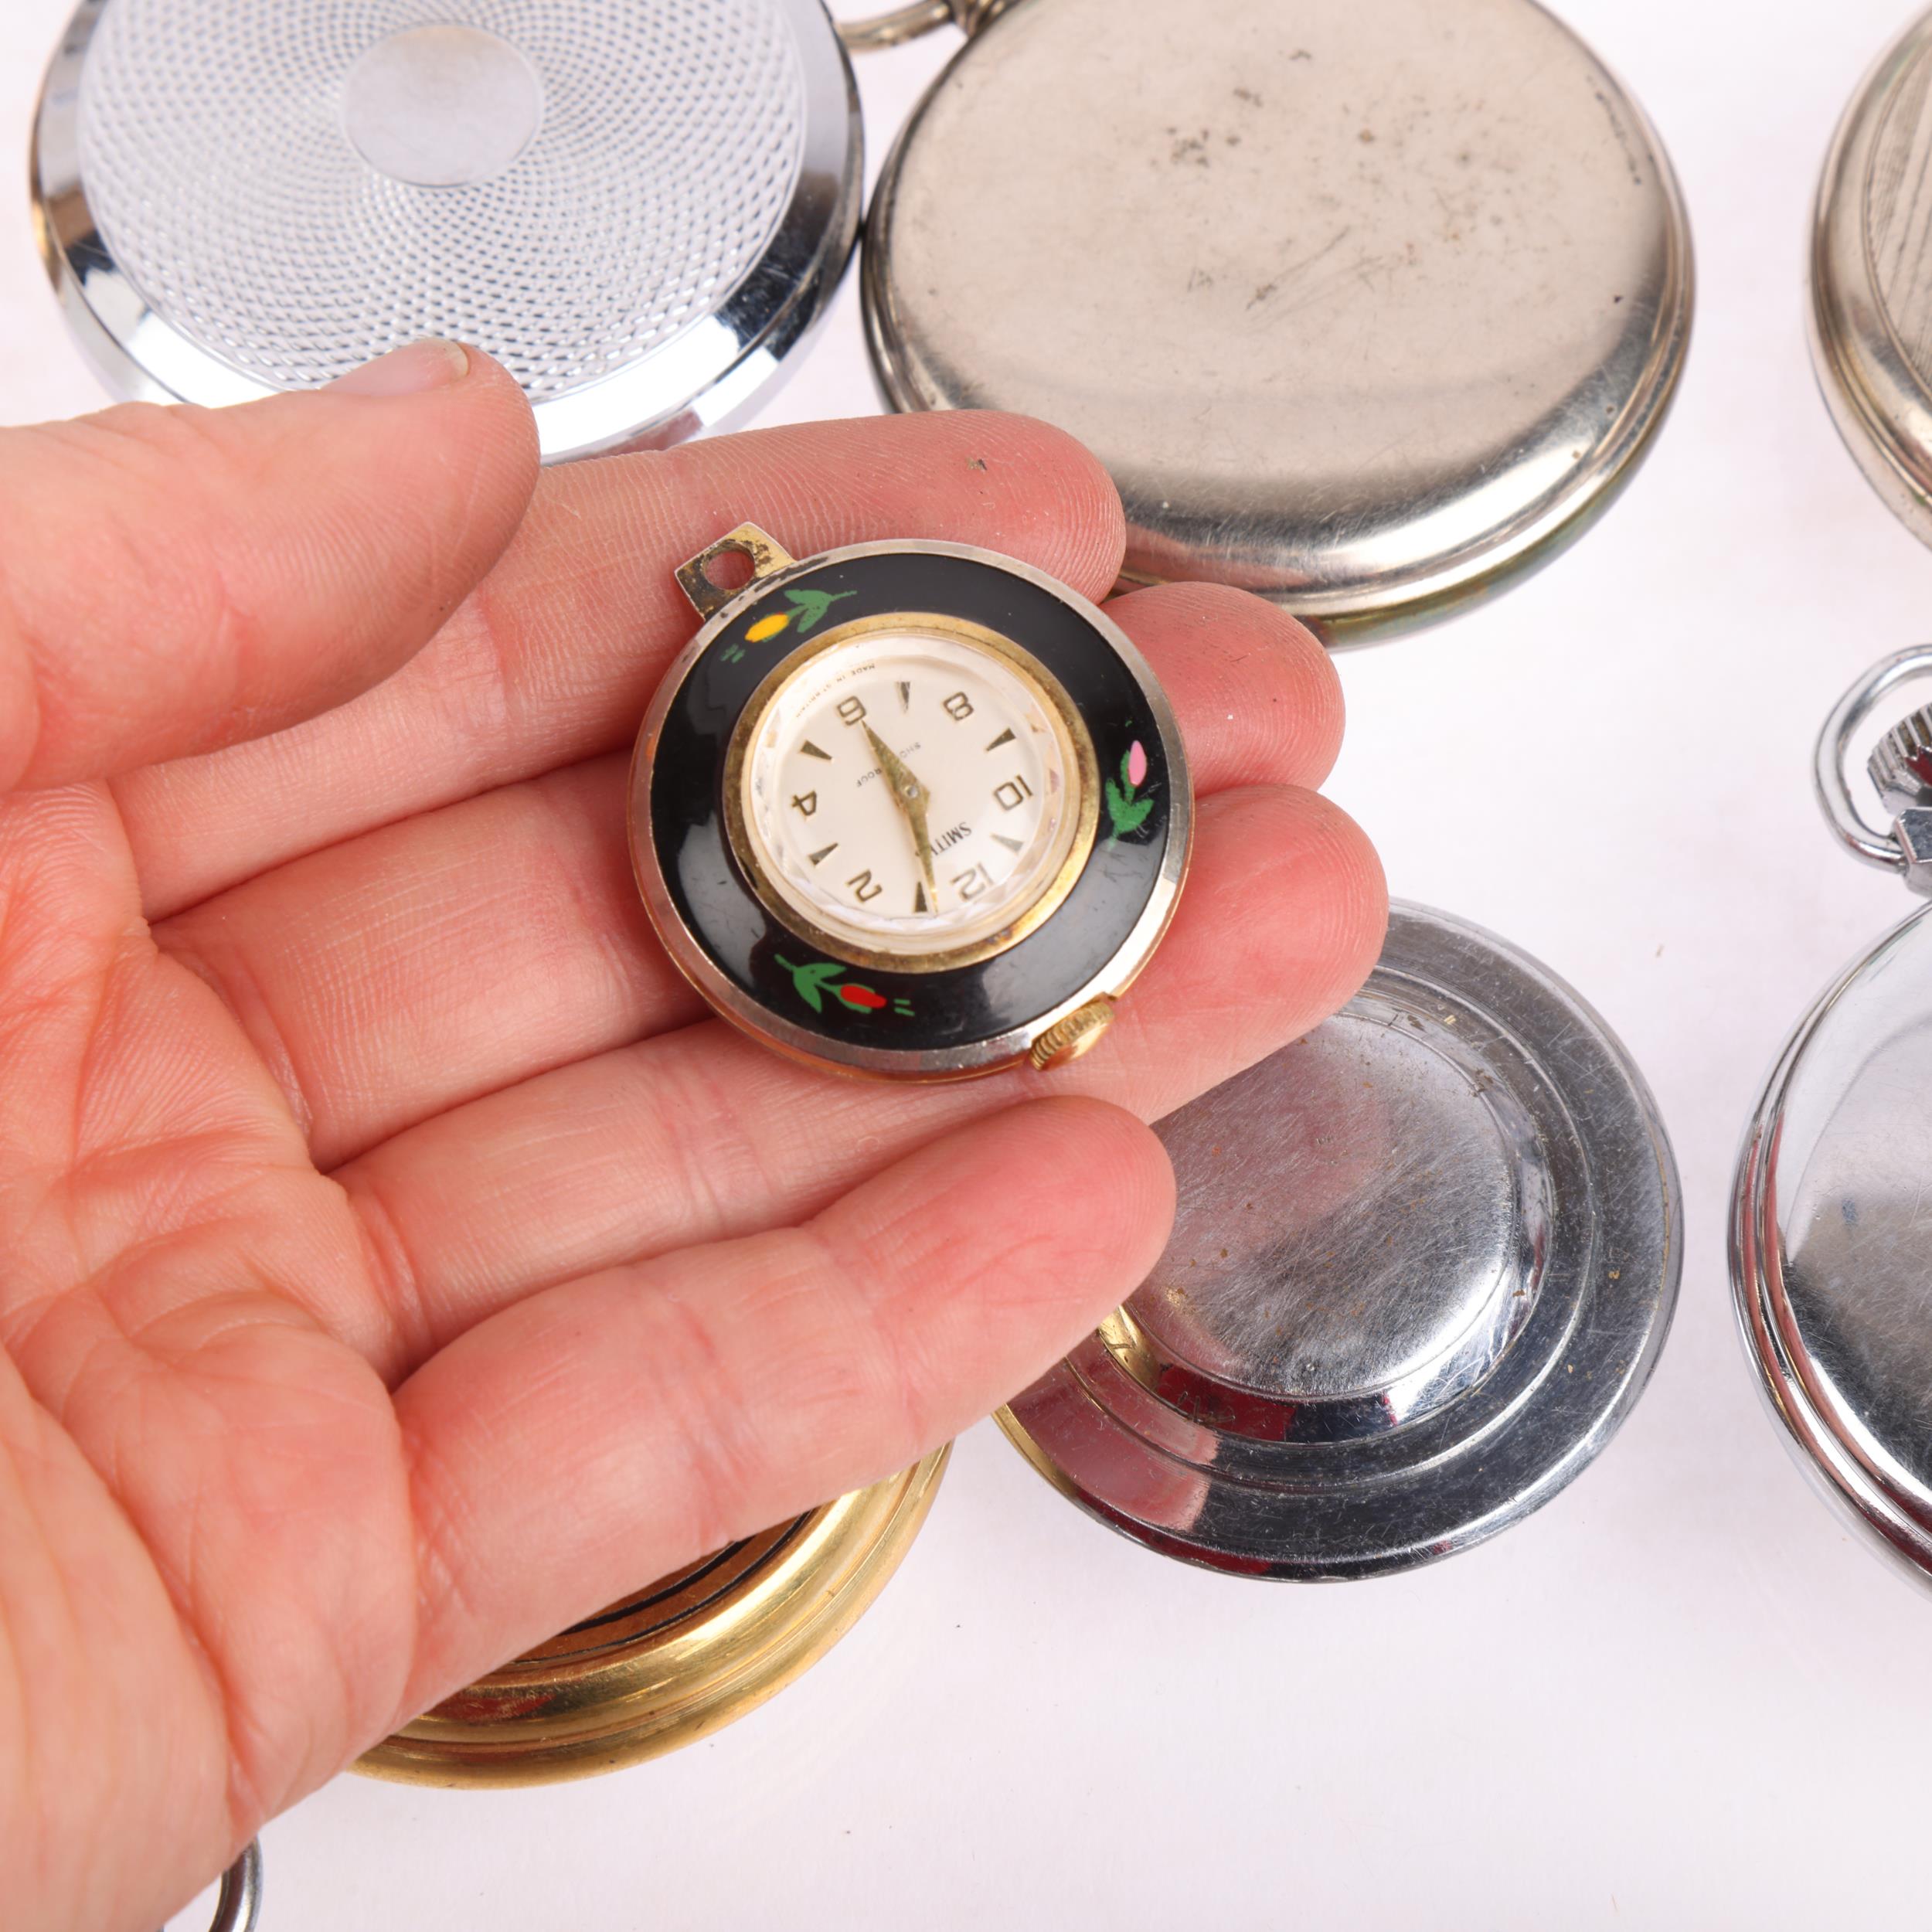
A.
pixel 1830 1257
pixel 639 210
pixel 1424 1261
pixel 914 811
pixel 1830 1249
pixel 1369 306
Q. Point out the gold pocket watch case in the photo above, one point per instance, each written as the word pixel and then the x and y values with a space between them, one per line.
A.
pixel 914 811
pixel 676 1662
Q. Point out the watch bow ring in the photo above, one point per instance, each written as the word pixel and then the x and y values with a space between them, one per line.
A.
pixel 909 810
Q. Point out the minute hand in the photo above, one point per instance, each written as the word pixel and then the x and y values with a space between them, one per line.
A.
pixel 911 797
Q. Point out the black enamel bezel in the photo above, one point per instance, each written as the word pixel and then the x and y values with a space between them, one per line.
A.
pixel 856 1014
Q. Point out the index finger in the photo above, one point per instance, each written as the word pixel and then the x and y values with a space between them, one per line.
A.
pixel 172 579
pixel 554 656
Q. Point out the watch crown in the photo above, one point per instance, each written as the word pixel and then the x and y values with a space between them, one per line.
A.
pixel 1900 765
pixel 1067 1039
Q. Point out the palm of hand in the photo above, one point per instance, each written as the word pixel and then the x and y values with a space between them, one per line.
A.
pixel 399 1263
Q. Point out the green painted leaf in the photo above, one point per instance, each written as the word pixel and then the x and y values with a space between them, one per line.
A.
pixel 811 605
pixel 1127 760
pixel 807 980
pixel 1127 814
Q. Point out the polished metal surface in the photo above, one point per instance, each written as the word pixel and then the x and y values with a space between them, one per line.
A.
pixel 1423 1263
pixel 1906 847
pixel 442 106
pixel 1832 1244
pixel 1367 306
pixel 1354 1321
pixel 639 210
pixel 1871 308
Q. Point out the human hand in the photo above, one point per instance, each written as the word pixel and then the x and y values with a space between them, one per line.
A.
pixel 400 1262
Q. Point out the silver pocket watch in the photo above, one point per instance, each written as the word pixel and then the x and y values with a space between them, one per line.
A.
pixel 1831 1254
pixel 641 211
pixel 1831 1246
pixel 1368 306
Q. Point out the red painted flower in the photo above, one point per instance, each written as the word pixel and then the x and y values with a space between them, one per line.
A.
pixel 861 996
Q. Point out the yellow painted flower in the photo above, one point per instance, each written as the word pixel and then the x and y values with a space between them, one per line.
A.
pixel 768 627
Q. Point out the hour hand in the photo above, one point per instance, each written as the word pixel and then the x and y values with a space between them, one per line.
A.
pixel 910 797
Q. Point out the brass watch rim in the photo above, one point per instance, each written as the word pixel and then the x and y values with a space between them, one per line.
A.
pixel 546 1718
pixel 1076 743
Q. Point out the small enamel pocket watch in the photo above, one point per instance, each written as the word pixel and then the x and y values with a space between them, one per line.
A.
pixel 914 811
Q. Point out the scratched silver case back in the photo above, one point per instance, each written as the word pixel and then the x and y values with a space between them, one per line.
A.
pixel 1368 305
pixel 1424 1262
pixel 640 209
pixel 1871 311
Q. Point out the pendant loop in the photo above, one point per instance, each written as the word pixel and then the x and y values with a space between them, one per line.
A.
pixel 765 554
pixel 1830 777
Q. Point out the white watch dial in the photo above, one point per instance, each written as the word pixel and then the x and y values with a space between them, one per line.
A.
pixel 911 793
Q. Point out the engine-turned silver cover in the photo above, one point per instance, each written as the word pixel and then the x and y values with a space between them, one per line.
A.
pixel 637 208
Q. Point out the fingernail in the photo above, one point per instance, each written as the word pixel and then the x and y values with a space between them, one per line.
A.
pixel 409 371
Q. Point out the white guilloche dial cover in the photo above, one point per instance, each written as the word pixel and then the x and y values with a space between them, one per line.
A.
pixel 913 793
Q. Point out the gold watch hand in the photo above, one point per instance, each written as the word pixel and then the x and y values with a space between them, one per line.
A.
pixel 910 797
pixel 923 846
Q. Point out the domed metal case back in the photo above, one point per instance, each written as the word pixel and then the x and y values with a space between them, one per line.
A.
pixel 1871 308
pixel 1423 1263
pixel 674 1662
pixel 1831 1246
pixel 639 210
pixel 1367 306
pixel 912 811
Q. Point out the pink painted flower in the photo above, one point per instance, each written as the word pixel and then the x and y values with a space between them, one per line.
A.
pixel 1136 762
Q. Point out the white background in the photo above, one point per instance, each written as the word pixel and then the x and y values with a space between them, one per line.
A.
pixel 1679 1696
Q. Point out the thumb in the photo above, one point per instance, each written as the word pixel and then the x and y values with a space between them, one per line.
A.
pixel 172 580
